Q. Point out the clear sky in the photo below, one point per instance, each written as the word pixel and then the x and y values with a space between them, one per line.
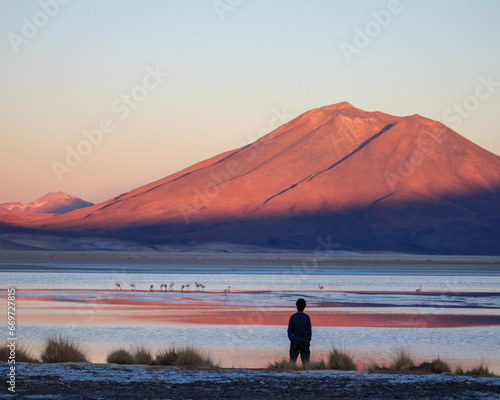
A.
pixel 170 83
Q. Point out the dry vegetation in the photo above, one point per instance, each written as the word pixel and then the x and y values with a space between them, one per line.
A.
pixel 120 356
pixel 187 356
pixel 337 359
pixel 59 348
pixel 22 354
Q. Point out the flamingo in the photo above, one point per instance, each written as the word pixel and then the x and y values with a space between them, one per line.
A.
pixel 202 286
pixel 198 285
pixel 188 286
pixel 419 290
pixel 165 285
pixel 161 286
pixel 227 290
pixel 171 286
pixel 132 286
pixel 119 286
pixel 151 288
pixel 182 288
pixel 320 287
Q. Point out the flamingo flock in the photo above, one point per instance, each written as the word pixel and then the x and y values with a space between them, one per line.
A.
pixel 199 286
pixel 165 286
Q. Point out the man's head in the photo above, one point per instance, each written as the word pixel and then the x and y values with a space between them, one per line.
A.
pixel 301 304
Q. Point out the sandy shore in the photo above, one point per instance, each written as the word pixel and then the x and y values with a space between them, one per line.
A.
pixel 101 381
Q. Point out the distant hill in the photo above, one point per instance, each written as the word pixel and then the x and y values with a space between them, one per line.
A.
pixel 51 203
pixel 334 178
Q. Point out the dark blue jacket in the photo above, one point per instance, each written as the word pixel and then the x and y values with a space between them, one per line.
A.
pixel 299 327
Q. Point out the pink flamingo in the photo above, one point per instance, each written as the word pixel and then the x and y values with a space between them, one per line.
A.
pixel 202 286
pixel 188 286
pixel 320 287
pixel 151 288
pixel 119 286
pixel 171 286
pixel 132 286
pixel 419 290
pixel 227 290
pixel 182 288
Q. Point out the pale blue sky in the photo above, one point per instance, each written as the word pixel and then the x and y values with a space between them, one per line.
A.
pixel 230 74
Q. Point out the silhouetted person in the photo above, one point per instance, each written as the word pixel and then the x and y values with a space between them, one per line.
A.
pixel 299 333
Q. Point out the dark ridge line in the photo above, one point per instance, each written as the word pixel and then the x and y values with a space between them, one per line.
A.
pixel 307 179
pixel 261 164
pixel 192 172
pixel 360 147
pixel 382 198
pixel 107 205
pixel 283 191
pixel 232 154
pixel 199 169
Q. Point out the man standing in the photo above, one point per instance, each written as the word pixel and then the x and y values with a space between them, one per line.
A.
pixel 299 333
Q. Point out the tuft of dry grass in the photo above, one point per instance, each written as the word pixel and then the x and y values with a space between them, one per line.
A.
pixel 402 360
pixel 403 363
pixel 166 356
pixel 22 354
pixel 142 355
pixel 481 370
pixel 341 360
pixel 287 365
pixel 190 356
pixel 187 356
pixel 436 366
pixel 59 348
pixel 120 356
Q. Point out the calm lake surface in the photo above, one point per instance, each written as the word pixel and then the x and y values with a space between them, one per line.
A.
pixel 369 311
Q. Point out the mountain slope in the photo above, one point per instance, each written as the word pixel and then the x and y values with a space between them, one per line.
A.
pixel 339 175
pixel 51 203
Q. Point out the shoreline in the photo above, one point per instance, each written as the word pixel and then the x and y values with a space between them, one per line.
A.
pixel 70 380
pixel 247 263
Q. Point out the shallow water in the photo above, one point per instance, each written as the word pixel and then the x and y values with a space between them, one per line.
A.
pixel 50 302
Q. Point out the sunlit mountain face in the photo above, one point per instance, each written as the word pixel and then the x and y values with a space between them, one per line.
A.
pixel 51 203
pixel 334 178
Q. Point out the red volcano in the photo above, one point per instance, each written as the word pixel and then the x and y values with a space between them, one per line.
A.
pixel 353 179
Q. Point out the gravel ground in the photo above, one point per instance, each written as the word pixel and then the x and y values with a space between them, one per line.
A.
pixel 101 381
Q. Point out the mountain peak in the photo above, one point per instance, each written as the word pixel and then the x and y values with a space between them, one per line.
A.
pixel 51 203
pixel 365 180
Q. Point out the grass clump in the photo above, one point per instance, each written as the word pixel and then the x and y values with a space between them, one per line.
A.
pixel 287 365
pixel 59 349
pixel 436 366
pixel 22 354
pixel 187 356
pixel 402 360
pixel 142 355
pixel 341 360
pixel 120 356
pixel 283 365
pixel 481 370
